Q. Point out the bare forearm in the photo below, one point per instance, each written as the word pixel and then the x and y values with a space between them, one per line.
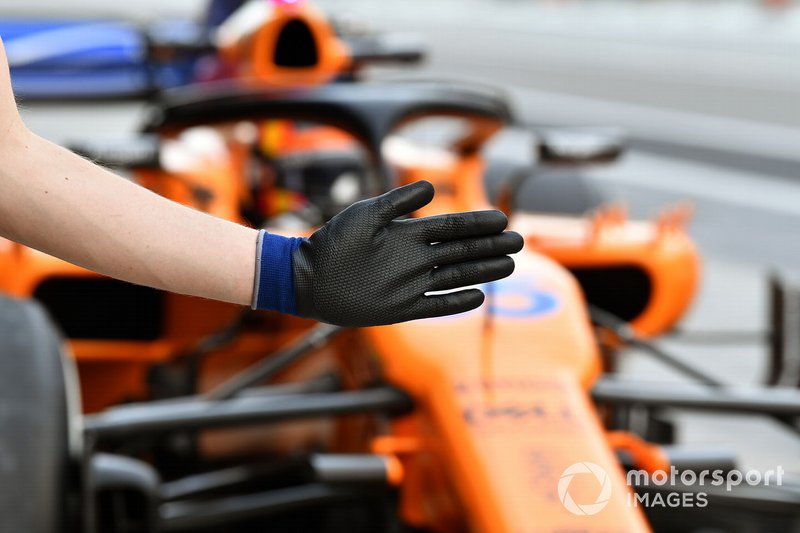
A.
pixel 63 205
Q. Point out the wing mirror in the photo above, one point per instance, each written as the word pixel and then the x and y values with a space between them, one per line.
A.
pixel 576 146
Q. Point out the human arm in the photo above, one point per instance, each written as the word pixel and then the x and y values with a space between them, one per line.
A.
pixel 63 205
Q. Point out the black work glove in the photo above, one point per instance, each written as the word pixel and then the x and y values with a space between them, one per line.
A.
pixel 366 268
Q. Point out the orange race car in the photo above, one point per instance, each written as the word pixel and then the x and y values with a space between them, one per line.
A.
pixel 199 416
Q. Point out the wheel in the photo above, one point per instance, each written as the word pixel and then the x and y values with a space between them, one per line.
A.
pixel 39 436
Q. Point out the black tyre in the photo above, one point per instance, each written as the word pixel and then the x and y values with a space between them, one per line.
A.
pixel 39 414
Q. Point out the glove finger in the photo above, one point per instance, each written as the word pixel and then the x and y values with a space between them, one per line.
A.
pixel 458 225
pixel 448 253
pixel 402 201
pixel 471 273
pixel 447 304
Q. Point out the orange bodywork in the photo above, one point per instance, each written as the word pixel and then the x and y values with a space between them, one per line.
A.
pixel 660 248
pixel 647 456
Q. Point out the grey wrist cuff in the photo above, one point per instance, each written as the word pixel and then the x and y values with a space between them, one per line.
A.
pixel 257 281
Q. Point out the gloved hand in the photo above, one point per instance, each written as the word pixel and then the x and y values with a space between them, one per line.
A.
pixel 366 268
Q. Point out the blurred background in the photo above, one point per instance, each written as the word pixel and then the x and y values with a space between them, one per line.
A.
pixel 707 91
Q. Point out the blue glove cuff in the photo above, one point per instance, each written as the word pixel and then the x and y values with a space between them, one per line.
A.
pixel 274 285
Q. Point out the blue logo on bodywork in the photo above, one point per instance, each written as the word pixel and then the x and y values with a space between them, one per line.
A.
pixel 531 301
